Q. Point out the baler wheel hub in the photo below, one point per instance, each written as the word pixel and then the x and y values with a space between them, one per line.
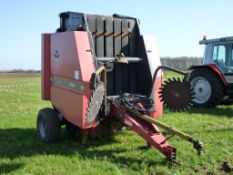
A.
pixel 42 128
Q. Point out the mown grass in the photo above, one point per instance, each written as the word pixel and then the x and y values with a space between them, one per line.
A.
pixel 22 153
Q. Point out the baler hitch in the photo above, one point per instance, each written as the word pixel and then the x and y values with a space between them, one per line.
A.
pixel 134 111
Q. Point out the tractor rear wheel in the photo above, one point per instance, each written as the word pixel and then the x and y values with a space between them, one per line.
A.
pixel 207 87
pixel 48 125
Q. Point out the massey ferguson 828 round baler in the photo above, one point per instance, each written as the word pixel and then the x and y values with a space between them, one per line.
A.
pixel 100 67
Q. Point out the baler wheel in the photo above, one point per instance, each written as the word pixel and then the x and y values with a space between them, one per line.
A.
pixel 48 125
pixel 207 87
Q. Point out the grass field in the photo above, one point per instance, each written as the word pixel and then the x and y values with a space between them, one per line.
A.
pixel 22 153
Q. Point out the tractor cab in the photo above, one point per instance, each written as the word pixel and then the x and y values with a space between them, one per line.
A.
pixel 219 52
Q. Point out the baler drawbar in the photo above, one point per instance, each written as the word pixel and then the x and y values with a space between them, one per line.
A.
pixel 133 111
pixel 101 67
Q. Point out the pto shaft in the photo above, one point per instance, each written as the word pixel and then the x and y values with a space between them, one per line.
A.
pixel 198 145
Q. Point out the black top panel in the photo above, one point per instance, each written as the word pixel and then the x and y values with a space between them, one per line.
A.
pixel 111 35
pixel 74 21
pixel 71 21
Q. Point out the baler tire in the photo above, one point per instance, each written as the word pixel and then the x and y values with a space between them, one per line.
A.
pixel 48 125
pixel 217 89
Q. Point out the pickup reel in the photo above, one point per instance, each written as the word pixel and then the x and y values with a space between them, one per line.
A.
pixel 176 94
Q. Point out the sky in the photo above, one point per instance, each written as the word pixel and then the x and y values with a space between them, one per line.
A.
pixel 177 25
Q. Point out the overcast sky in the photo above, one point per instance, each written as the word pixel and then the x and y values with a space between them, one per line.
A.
pixel 177 25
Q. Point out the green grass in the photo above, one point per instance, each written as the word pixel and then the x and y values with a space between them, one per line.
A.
pixel 22 153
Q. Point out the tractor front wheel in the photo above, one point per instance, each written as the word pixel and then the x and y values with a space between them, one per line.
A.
pixel 207 87
pixel 48 125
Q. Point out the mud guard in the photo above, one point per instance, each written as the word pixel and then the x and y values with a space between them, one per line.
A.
pixel 213 68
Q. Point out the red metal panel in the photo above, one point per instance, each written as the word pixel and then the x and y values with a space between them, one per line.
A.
pixel 158 104
pixel 70 51
pixel 64 55
pixel 45 67
pixel 64 101
pixel 71 64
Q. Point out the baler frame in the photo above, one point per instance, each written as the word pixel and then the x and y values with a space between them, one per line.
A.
pixel 81 63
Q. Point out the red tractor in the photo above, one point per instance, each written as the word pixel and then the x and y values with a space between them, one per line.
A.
pixel 213 80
